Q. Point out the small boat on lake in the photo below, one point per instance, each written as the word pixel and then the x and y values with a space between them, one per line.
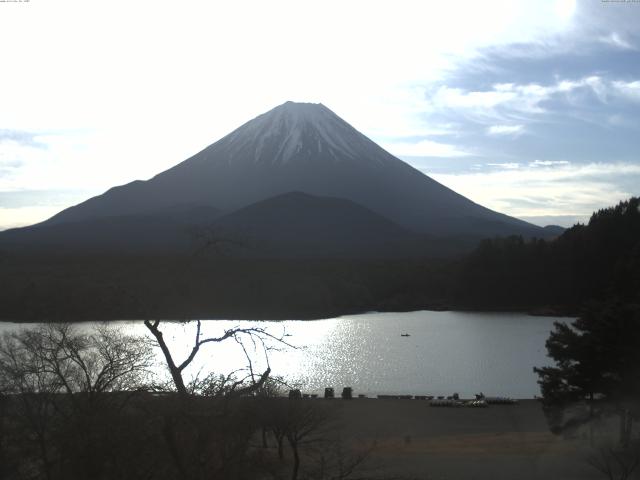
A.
pixel 405 335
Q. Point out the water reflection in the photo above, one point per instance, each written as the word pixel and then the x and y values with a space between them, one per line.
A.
pixel 446 352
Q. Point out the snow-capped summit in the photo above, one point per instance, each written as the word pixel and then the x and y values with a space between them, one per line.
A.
pixel 306 128
pixel 303 147
pixel 297 132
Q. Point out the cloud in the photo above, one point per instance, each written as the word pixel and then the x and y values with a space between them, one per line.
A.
pixel 456 98
pixel 547 163
pixel 615 40
pixel 505 130
pixel 548 189
pixel 15 159
pixel 509 102
pixel 629 90
pixel 503 101
pixel 442 129
pixel 8 165
pixel 84 160
pixel 20 137
pixel 424 148
pixel 506 166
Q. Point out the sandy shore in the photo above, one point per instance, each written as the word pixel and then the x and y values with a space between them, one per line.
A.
pixel 413 440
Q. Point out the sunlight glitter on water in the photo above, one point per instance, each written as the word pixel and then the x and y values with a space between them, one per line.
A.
pixel 446 352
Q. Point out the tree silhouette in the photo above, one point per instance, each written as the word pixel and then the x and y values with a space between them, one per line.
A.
pixel 252 382
pixel 598 361
pixel 67 391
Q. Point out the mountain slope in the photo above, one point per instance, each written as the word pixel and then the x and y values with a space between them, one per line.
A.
pixel 170 231
pixel 304 148
pixel 301 225
pixel 292 225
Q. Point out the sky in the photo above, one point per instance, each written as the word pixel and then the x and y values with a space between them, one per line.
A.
pixel 531 108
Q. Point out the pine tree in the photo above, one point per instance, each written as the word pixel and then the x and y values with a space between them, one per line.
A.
pixel 597 361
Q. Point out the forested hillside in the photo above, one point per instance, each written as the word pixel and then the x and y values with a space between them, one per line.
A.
pixel 597 261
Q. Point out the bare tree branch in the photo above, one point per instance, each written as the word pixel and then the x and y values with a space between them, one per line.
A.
pixel 176 370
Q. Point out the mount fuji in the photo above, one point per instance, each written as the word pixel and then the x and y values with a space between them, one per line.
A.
pixel 304 156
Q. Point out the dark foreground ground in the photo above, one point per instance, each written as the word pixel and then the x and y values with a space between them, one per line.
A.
pixel 410 439
pixel 166 437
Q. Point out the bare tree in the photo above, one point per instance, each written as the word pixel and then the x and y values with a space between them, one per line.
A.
pixel 615 462
pixel 6 460
pixel 339 462
pixel 26 377
pixel 247 384
pixel 102 361
pixel 313 435
pixel 269 394
pixel 192 434
pixel 61 380
pixel 304 423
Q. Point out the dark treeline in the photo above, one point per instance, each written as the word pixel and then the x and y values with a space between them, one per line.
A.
pixel 587 262
pixel 105 287
pixel 593 262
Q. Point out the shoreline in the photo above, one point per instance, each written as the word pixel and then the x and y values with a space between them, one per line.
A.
pixel 543 312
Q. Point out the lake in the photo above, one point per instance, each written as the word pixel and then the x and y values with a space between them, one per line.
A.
pixel 446 352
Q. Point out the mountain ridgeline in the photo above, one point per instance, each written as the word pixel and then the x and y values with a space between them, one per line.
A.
pixel 593 262
pixel 328 190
